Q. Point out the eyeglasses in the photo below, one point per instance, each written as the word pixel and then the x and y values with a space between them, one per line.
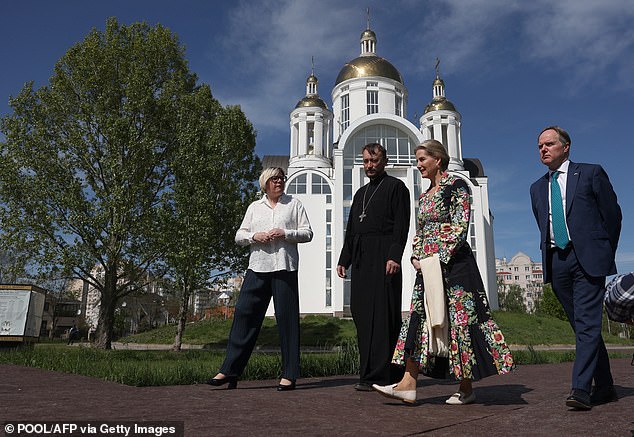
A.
pixel 278 179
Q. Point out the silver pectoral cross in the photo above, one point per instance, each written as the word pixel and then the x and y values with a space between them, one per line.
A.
pixel 362 216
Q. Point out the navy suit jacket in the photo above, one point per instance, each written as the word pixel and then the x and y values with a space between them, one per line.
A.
pixel 593 217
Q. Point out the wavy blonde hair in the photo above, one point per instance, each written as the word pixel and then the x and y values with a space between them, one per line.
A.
pixel 436 150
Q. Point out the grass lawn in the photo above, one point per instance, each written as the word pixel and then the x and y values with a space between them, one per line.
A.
pixel 326 332
pixel 315 332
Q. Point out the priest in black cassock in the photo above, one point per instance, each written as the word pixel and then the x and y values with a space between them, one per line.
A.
pixel 376 234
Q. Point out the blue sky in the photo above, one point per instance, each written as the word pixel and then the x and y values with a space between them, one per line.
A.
pixel 510 68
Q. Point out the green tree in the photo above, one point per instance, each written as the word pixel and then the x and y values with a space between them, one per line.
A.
pixel 512 300
pixel 12 266
pixel 212 169
pixel 91 160
pixel 549 305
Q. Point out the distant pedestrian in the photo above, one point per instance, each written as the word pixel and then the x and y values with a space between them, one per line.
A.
pixel 73 333
pixel 580 223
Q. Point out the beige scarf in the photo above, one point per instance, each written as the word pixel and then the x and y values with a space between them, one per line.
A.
pixel 435 307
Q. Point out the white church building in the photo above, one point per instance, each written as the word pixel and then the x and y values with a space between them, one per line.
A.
pixel 325 169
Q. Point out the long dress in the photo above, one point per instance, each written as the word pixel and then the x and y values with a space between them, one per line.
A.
pixel 476 345
pixel 375 298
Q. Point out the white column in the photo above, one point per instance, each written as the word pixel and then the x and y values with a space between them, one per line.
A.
pixel 337 230
pixel 455 162
pixel 327 141
pixel 437 126
pixel 303 136
pixel 293 140
pixel 319 135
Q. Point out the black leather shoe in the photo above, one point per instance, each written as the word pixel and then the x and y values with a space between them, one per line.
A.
pixel 363 386
pixel 286 387
pixel 231 380
pixel 579 400
pixel 603 395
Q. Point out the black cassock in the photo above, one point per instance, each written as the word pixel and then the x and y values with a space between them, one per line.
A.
pixel 374 235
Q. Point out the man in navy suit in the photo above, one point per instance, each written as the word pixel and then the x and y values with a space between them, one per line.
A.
pixel 580 223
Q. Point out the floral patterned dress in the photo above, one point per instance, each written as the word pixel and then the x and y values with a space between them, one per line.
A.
pixel 476 345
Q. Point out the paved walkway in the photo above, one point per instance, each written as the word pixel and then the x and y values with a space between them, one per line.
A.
pixel 529 401
pixel 184 346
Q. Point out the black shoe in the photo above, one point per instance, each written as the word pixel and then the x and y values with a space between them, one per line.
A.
pixel 286 387
pixel 231 380
pixel 579 400
pixel 603 395
pixel 363 386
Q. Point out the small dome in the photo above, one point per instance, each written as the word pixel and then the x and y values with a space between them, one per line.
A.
pixel 440 104
pixel 311 101
pixel 367 66
pixel 312 79
pixel 368 34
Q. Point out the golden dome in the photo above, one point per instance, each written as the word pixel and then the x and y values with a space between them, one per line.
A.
pixel 311 101
pixel 440 104
pixel 368 34
pixel 367 66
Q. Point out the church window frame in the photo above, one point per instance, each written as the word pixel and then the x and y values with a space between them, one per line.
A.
pixel 345 111
pixel 310 135
pixel 398 105
pixel 319 185
pixel 372 101
pixel 297 185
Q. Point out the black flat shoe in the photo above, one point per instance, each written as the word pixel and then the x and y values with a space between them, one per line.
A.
pixel 287 387
pixel 363 386
pixel 579 400
pixel 231 380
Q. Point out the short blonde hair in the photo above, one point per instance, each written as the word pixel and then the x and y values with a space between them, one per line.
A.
pixel 267 174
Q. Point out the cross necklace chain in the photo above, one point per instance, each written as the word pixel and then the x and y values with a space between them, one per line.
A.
pixel 365 205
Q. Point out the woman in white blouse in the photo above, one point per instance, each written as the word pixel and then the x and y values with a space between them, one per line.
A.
pixel 272 227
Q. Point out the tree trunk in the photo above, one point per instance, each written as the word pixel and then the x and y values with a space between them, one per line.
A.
pixel 107 308
pixel 182 316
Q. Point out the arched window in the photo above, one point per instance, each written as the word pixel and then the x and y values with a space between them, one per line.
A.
pixel 297 185
pixel 398 143
pixel 320 185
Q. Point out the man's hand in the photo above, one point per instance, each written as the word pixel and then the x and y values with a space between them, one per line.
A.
pixel 391 267
pixel 341 272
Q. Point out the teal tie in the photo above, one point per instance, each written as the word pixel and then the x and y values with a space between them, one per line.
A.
pixel 557 212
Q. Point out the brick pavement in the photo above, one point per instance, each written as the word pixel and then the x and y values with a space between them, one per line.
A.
pixel 529 401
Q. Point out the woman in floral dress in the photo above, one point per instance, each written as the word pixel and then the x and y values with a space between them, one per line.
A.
pixel 477 348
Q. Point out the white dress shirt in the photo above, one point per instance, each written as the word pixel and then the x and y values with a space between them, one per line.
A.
pixel 280 254
pixel 562 178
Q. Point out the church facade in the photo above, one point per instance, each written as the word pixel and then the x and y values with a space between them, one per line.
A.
pixel 325 169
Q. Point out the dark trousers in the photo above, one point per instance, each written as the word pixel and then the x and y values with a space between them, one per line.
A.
pixel 250 309
pixel 581 296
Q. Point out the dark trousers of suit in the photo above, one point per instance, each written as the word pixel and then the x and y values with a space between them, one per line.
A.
pixel 581 296
pixel 250 310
